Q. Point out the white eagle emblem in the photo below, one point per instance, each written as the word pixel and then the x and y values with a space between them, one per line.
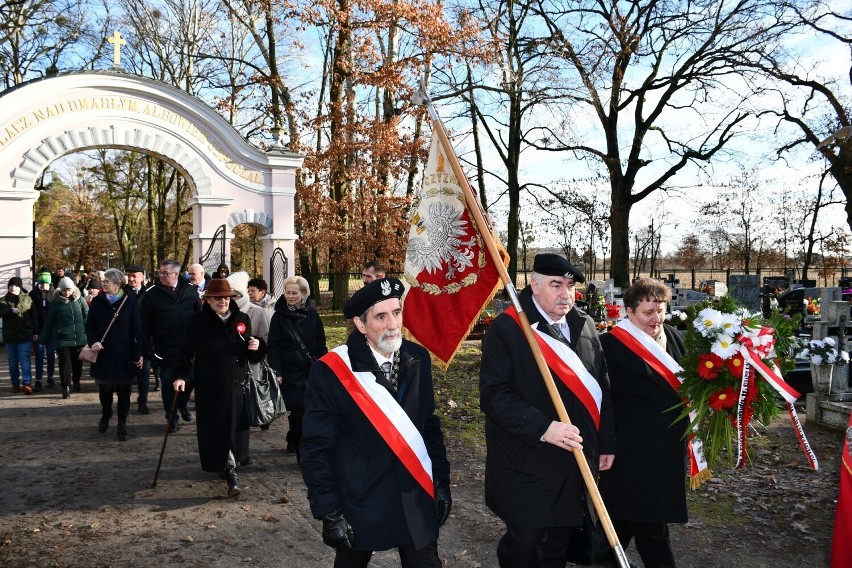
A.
pixel 386 288
pixel 440 238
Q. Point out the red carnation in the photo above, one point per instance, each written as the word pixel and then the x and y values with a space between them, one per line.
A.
pixel 723 399
pixel 709 365
pixel 735 365
pixel 241 328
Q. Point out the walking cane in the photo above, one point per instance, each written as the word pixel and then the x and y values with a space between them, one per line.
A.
pixel 165 438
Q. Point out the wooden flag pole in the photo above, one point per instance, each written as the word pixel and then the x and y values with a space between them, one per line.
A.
pixel 491 246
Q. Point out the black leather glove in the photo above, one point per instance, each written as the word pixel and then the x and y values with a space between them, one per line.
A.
pixel 443 501
pixel 336 532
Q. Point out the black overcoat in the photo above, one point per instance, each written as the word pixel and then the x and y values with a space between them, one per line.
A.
pixel 217 353
pixel 117 362
pixel 529 482
pixel 286 355
pixel 647 482
pixel 348 467
pixel 165 315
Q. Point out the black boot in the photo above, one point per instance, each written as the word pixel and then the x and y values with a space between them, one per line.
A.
pixel 143 407
pixel 122 432
pixel 103 425
pixel 233 481
pixel 66 392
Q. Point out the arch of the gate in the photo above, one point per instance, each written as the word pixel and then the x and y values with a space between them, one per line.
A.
pixel 46 119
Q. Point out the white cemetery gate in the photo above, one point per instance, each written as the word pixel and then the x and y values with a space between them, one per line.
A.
pixel 233 182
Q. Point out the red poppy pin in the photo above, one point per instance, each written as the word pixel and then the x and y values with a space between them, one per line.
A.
pixel 241 328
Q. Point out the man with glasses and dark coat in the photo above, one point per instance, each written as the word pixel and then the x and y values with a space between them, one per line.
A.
pixel 166 310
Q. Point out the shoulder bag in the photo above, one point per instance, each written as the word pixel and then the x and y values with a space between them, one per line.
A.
pixel 297 335
pixel 89 354
pixel 262 395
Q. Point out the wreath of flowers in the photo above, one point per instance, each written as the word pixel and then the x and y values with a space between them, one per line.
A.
pixel 714 378
pixel 812 306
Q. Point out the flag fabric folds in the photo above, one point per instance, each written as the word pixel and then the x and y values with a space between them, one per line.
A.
pixel 841 543
pixel 448 272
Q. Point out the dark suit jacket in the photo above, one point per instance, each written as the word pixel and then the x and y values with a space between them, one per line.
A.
pixel 348 467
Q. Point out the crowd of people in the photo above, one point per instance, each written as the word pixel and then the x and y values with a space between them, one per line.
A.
pixel 362 415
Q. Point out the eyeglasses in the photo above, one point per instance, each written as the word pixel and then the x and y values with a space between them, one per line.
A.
pixel 165 273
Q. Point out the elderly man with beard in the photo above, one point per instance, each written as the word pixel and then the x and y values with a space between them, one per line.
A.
pixel 532 482
pixel 373 454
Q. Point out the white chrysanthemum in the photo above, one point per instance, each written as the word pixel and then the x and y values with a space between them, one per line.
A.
pixel 682 315
pixel 816 359
pixel 829 341
pixel 804 353
pixel 831 357
pixel 731 324
pixel 668 317
pixel 724 346
pixel 816 344
pixel 708 321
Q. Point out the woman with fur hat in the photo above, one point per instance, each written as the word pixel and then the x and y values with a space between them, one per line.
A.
pixel 65 329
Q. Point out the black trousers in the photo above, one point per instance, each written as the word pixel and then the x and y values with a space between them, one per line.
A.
pixel 652 541
pixel 426 557
pixel 70 366
pixel 534 547
pixel 105 391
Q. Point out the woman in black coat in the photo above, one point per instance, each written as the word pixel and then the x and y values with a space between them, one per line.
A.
pixel 296 340
pixel 645 489
pixel 119 355
pixel 217 345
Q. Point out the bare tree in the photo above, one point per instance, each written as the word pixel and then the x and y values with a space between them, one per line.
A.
pixel 659 81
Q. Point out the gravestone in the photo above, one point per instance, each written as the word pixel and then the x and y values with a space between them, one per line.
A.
pixel 745 288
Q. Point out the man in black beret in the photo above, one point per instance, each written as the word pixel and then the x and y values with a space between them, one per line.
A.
pixel 532 482
pixel 370 412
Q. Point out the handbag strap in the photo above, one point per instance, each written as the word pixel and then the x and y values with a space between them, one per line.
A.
pixel 297 335
pixel 112 321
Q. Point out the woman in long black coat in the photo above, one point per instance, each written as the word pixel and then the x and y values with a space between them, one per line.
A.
pixel 217 345
pixel 296 340
pixel 119 354
pixel 645 489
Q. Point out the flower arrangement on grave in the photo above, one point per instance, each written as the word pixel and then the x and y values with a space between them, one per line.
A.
pixel 676 316
pixel 812 306
pixel 605 325
pixel 824 352
pixel 733 373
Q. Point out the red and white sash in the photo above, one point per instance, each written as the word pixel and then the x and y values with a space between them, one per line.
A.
pixel 644 346
pixel 568 367
pixel 386 416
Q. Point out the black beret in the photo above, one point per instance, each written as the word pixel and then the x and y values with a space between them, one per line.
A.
pixel 555 265
pixel 371 294
pixel 134 268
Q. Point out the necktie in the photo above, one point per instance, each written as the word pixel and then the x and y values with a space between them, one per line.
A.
pixel 557 329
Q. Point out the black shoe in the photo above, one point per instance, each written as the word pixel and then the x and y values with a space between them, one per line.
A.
pixel 247 461
pixel 49 383
pixel 103 425
pixel 122 433
pixel 173 427
pixel 16 388
pixel 265 427
pixel 66 392
pixel 77 387
pixel 186 415
pixel 143 408
pixel 37 387
pixel 291 448
pixel 233 482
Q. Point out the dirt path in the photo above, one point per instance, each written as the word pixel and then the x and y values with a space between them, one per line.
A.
pixel 73 497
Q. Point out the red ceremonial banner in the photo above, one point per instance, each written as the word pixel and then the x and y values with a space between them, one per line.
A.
pixel 841 543
pixel 448 271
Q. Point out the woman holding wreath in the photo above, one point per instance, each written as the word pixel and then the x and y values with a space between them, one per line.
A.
pixel 216 350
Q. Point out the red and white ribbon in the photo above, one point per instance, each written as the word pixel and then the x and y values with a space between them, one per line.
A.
pixel 386 415
pixel 569 369
pixel 753 348
pixel 664 365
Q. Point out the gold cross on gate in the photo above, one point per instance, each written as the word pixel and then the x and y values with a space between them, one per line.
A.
pixel 117 41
